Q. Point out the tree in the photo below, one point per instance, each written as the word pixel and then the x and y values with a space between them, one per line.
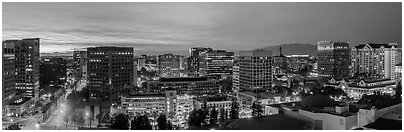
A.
pixel 196 117
pixel 141 123
pixel 213 118
pixel 106 118
pixel 81 121
pixel 256 110
pixel 234 113
pixel 120 122
pixel 221 118
pixel 398 93
pixel 169 126
pixel 227 84
pixel 205 105
pixel 378 100
pixel 14 126
pixel 162 122
pixel 226 115
pixel 99 117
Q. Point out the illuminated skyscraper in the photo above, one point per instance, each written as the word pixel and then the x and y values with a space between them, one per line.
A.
pixel 26 65
pixel 216 64
pixel 333 59
pixel 8 83
pixel 255 71
pixel 168 65
pixel 194 59
pixel 110 72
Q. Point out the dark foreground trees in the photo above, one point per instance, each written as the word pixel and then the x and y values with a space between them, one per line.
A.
pixel 120 122
pixel 14 126
pixel 141 123
pixel 256 110
pixel 163 123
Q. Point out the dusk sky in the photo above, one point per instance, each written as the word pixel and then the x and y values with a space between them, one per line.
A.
pixel 179 26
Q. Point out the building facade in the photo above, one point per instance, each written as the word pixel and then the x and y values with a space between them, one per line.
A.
pixel 147 62
pixel 357 89
pixel 333 59
pixel 255 69
pixel 195 59
pixel 298 62
pixel 185 85
pixel 8 83
pixel 374 61
pixel 110 72
pixel 80 64
pixel 26 65
pixel 236 78
pixel 217 64
pixel 168 65
pixel 53 72
pixel 175 107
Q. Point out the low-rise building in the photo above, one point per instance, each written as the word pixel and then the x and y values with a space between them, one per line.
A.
pixel 19 106
pixel 184 107
pixel 398 72
pixel 370 114
pixel 214 102
pixel 332 118
pixel 144 103
pixel 176 107
pixel 356 89
pixel 186 85
pixel 247 98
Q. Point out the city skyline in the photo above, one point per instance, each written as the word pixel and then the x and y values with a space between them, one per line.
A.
pixel 180 26
pixel 202 66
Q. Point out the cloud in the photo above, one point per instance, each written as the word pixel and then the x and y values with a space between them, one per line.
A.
pixel 170 26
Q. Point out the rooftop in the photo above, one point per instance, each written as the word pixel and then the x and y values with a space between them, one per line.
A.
pixel 20 101
pixel 385 124
pixel 373 45
pixel 394 115
pixel 272 122
pixel 183 79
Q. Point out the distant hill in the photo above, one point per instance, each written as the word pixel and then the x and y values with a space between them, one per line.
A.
pixel 293 49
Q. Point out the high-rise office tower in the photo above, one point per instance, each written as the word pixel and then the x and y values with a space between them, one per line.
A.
pixel 236 75
pixel 168 65
pixel 147 61
pixel 374 61
pixel 255 69
pixel 184 66
pixel 8 83
pixel 110 72
pixel 53 72
pixel 80 64
pixel 216 64
pixel 26 65
pixel 333 59
pixel 194 59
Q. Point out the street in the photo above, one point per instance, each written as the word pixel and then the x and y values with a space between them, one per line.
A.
pixel 54 122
